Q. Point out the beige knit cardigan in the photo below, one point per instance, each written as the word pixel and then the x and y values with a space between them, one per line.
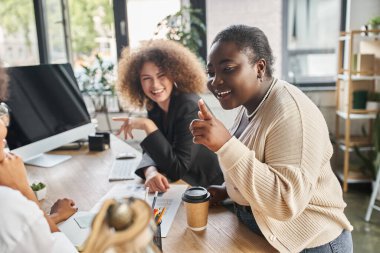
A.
pixel 280 166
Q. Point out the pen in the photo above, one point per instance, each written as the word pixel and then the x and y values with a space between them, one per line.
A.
pixel 154 199
pixel 159 219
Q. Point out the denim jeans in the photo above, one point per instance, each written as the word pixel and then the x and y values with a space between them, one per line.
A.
pixel 341 244
pixel 245 216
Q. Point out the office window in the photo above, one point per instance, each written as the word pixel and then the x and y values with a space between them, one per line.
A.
pixel 144 15
pixel 312 37
pixel 92 32
pixel 18 36
pixel 55 32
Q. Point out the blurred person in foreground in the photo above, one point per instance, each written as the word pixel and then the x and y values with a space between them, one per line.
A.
pixel 24 226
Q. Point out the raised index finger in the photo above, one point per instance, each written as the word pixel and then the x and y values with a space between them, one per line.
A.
pixel 206 114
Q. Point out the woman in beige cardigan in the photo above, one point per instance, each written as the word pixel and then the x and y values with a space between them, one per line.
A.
pixel 276 157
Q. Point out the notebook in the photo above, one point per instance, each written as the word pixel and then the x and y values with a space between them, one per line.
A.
pixel 78 227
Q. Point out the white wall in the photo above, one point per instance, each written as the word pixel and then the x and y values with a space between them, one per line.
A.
pixel 267 15
pixel 361 11
pixel 264 14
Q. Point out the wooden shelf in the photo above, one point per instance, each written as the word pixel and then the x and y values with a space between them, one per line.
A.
pixel 348 81
pixel 357 77
pixel 358 114
pixel 343 147
pixel 347 34
pixel 353 72
pixel 354 177
pixel 360 141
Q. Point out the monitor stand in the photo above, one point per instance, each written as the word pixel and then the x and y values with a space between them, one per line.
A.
pixel 47 160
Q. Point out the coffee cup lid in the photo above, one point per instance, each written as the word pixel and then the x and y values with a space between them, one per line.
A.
pixel 196 194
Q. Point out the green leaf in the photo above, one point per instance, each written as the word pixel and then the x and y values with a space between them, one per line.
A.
pixel 38 186
pixel 177 28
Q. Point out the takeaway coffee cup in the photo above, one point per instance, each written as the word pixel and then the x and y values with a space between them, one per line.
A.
pixel 196 200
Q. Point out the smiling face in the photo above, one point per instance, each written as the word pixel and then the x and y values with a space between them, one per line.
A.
pixel 156 85
pixel 231 77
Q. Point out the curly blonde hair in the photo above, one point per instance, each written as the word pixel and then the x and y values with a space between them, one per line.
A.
pixel 177 62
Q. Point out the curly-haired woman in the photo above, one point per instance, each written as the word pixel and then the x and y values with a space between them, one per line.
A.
pixel 164 77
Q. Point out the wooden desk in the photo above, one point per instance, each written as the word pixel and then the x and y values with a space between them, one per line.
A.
pixel 84 178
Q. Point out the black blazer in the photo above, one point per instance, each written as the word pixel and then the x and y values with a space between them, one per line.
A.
pixel 171 149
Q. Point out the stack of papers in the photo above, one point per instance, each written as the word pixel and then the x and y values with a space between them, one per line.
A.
pixel 78 227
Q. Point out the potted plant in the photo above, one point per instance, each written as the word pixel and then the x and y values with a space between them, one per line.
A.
pixel 371 159
pixel 184 26
pixel 97 81
pixel 39 190
pixel 373 101
pixel 374 23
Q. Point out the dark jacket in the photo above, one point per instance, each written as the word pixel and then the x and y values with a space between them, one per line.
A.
pixel 171 149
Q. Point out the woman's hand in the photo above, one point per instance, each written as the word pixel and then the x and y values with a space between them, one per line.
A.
pixel 218 194
pixel 13 174
pixel 208 130
pixel 155 180
pixel 135 123
pixel 62 209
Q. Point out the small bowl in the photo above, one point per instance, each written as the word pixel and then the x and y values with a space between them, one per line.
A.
pixel 41 194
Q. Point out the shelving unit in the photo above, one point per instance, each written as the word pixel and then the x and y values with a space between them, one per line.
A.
pixel 349 79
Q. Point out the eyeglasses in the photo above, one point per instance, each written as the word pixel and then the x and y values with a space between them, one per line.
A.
pixel 4 114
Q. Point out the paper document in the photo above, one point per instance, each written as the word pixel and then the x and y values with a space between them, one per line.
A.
pixel 170 199
pixel 77 228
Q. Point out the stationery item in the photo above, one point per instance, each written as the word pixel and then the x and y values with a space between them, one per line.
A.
pixel 196 201
pixel 85 220
pixel 77 228
pixel 96 142
pixel 154 199
pixel 157 237
pixel 160 216
pixel 170 200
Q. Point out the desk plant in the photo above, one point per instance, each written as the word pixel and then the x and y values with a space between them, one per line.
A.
pixel 374 23
pixel 39 190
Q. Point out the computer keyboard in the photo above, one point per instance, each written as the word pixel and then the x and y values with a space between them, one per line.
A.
pixel 123 169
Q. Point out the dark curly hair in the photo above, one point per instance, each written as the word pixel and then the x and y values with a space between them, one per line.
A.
pixel 3 83
pixel 250 40
pixel 177 62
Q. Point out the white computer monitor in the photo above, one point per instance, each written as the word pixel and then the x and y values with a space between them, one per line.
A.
pixel 46 111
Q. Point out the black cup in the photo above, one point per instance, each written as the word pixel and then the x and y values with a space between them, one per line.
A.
pixel 196 194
